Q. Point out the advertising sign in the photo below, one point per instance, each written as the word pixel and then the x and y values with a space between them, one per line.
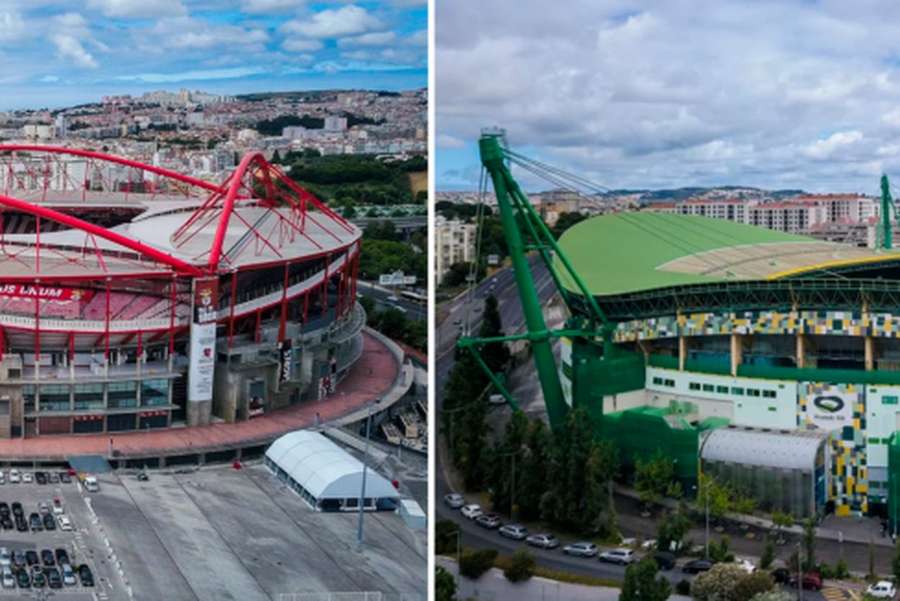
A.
pixel 398 278
pixel 285 361
pixel 45 292
pixel 203 341
pixel 830 408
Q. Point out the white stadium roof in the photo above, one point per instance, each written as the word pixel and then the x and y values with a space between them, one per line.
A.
pixel 325 470
pixel 789 450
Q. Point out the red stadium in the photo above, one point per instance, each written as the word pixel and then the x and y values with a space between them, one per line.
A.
pixel 133 297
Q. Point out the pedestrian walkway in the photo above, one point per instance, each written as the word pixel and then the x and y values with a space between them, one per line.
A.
pixel 374 375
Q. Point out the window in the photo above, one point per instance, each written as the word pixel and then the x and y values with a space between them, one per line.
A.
pixel 658 381
pixel 122 394
pixel 752 392
pixel 722 389
pixel 154 393
pixel 737 391
pixel 89 396
pixel 773 409
pixel 769 394
pixel 54 397
pixel 889 400
pixel 708 388
pixel 694 385
pixel 669 383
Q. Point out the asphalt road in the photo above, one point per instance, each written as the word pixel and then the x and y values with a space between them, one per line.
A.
pixel 416 311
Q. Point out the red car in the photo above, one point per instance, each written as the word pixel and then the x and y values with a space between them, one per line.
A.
pixel 812 581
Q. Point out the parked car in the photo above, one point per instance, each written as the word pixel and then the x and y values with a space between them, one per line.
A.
pixel 488 520
pixel 514 531
pixel 58 508
pixel 47 557
pixel 620 556
pixel 2 478
pixel 53 477
pixel 31 557
pixel 35 522
pixel 68 575
pixel 86 576
pixel 65 478
pixel 21 524
pixel 696 566
pixel 91 484
pixel 581 549
pixel 14 476
pixel 40 477
pixel 23 579
pixel 5 557
pixel 54 580
pixel 18 558
pixel 49 522
pixel 6 523
pixel 471 511
pixel 883 589
pixel 454 500
pixel 745 564
pixel 65 524
pixel 664 560
pixel 9 581
pixel 812 581
pixel 62 556
pixel 544 541
pixel 38 580
pixel 43 508
pixel 781 575
pixel 17 509
pixel 27 477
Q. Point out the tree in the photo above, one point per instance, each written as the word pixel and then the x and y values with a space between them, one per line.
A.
pixel 472 564
pixel 565 221
pixel 718 584
pixel 715 496
pixel 521 566
pixel 349 212
pixel 781 521
pixel 895 562
pixel 671 531
pixel 532 479
pixel 457 274
pixel 653 477
pixel 720 552
pixel 463 418
pixel 768 554
pixel 599 508
pixel 496 356
pixel 809 544
pixel 444 585
pixel 751 585
pixel 502 457
pixel 641 583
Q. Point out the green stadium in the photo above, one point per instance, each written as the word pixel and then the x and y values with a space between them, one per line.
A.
pixel 768 360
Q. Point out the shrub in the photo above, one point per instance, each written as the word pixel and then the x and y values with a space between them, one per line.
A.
pixel 718 583
pixel 753 584
pixel 683 588
pixel 445 539
pixel 472 564
pixel 521 566
pixel 768 554
pixel 774 596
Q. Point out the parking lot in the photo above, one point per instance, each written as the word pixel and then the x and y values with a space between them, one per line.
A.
pixel 220 533
pixel 83 544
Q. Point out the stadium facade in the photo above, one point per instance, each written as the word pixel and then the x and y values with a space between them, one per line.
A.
pixel 133 297
pixel 768 359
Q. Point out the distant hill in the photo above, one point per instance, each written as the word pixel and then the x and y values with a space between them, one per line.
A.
pixel 677 194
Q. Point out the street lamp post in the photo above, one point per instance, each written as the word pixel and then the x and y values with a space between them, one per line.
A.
pixel 705 491
pixel 362 490
pixel 799 572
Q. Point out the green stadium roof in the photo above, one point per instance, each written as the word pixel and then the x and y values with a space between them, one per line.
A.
pixel 621 253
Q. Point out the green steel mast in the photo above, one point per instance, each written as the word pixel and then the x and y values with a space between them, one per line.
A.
pixel 887 204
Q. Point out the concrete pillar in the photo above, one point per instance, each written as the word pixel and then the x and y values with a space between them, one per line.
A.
pixel 737 352
pixel 870 353
pixel 801 350
pixel 682 352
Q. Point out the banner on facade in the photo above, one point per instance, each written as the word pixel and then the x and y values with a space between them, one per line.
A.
pixel 201 369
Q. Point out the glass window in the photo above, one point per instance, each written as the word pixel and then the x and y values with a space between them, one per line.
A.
pixel 154 393
pixel 737 391
pixel 722 389
pixel 89 396
pixel 122 394
pixel 694 385
pixel 708 388
pixel 657 381
pixel 669 383
pixel 769 394
pixel 54 397
pixel 888 400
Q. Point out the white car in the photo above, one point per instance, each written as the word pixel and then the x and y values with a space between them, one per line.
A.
pixel 91 484
pixel 13 476
pixel 65 524
pixel 745 564
pixel 583 549
pixel 9 581
pixel 471 511
pixel 68 575
pixel 883 589
pixel 454 500
pixel 27 477
pixel 619 556
pixel 2 478
pixel 58 508
pixel 5 557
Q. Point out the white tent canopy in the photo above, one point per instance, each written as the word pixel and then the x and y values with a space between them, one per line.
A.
pixel 324 470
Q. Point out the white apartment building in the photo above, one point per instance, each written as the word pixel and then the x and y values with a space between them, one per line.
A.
pixel 455 243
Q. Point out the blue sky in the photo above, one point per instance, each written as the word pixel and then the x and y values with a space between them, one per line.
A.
pixel 57 53
pixel 668 93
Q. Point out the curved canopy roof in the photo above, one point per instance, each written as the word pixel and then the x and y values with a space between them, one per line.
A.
pixel 621 253
pixel 325 470
pixel 783 450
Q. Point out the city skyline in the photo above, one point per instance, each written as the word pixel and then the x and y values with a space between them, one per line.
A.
pixel 53 56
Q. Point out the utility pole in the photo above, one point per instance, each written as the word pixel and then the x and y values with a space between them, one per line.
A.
pixel 362 491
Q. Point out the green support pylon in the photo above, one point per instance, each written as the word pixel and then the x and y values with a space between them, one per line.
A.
pixel 887 204
pixel 493 160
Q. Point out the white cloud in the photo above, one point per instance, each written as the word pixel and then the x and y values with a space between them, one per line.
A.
pixel 448 141
pixel 199 75
pixel 12 26
pixel 821 149
pixel 301 45
pixel 270 6
pixel 188 33
pixel 380 38
pixel 138 9
pixel 70 31
pixel 334 23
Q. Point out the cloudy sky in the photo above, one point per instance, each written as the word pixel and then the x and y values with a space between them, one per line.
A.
pixel 675 92
pixel 58 52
